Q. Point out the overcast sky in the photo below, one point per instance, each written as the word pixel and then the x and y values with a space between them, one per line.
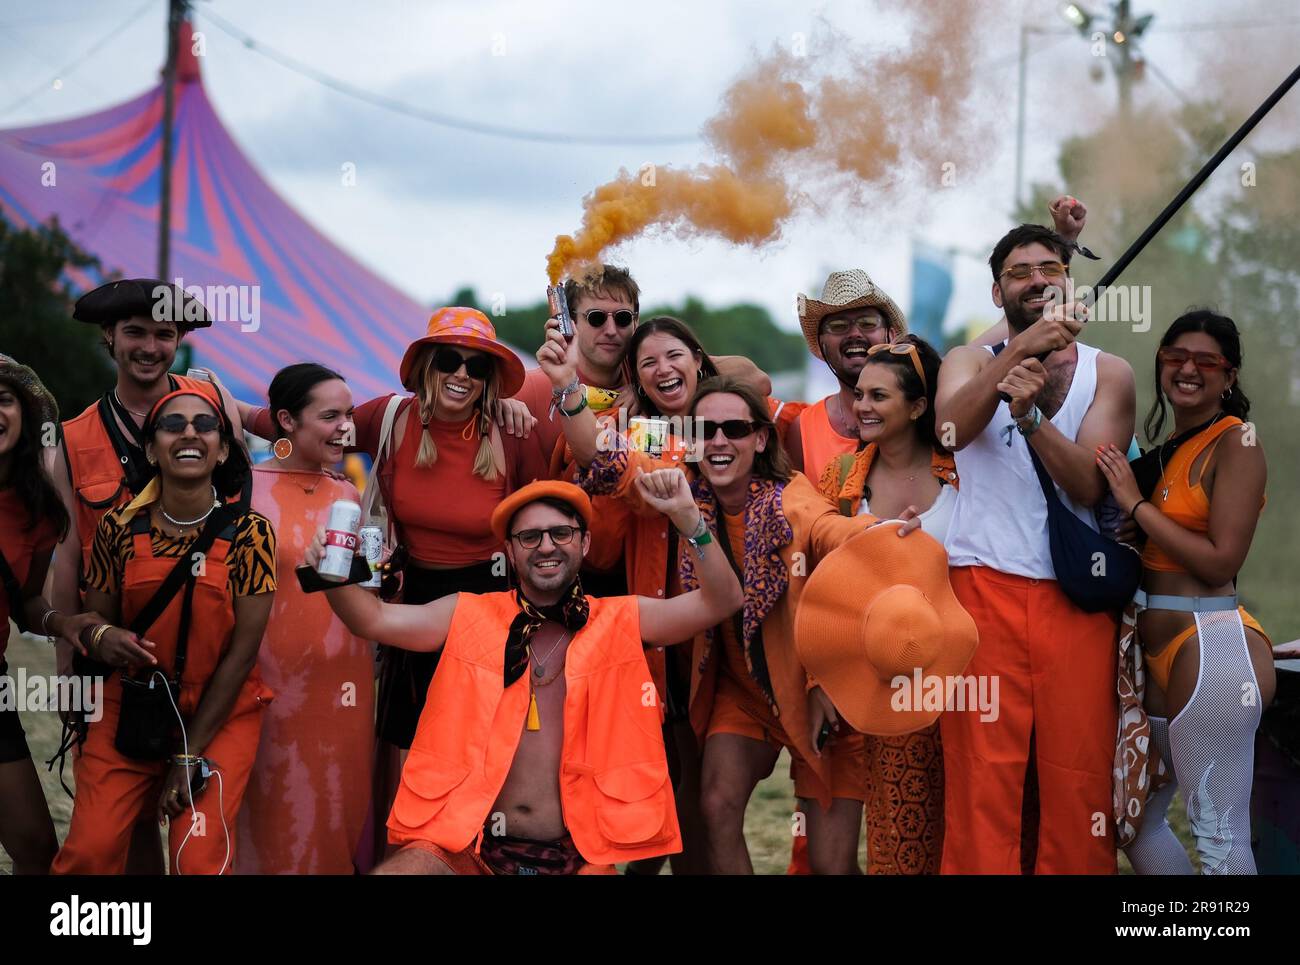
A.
pixel 434 208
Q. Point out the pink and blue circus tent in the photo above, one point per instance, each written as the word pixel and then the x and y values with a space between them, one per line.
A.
pixel 229 228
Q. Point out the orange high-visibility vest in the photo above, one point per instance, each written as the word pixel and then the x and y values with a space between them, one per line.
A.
pixel 98 479
pixel 614 786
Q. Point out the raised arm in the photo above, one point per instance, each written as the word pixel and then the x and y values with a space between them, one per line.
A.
pixel 559 360
pixel 679 619
pixel 401 625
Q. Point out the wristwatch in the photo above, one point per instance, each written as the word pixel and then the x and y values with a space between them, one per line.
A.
pixel 700 538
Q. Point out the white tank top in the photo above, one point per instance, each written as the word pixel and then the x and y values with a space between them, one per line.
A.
pixel 934 520
pixel 1000 520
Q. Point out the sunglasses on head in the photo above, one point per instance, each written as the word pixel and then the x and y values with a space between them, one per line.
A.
pixel 175 423
pixel 597 317
pixel 1048 269
pixel 731 428
pixel 448 361
pixel 903 348
pixel 1205 361
pixel 532 538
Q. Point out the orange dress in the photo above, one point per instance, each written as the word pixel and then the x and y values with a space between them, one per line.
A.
pixel 309 795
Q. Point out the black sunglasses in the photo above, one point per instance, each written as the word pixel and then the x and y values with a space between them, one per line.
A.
pixel 597 317
pixel 731 428
pixel 174 422
pixel 448 361
pixel 532 538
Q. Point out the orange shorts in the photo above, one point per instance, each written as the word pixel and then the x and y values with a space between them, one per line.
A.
pixel 470 862
pixel 737 711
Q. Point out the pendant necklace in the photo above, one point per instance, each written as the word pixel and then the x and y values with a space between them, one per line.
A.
pixel 540 669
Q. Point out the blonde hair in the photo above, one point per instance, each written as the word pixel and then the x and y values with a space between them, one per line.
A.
pixel 487 464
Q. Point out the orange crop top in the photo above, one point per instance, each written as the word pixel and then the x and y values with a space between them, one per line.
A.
pixel 1175 495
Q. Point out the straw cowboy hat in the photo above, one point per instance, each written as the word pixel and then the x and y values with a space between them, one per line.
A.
pixel 470 328
pixel 845 290
pixel 872 613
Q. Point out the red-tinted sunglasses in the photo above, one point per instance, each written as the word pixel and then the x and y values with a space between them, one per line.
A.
pixel 1205 361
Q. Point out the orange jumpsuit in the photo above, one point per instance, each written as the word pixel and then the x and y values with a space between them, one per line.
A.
pixel 113 790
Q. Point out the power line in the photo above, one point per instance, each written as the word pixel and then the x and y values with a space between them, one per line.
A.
pixel 436 117
pixel 81 58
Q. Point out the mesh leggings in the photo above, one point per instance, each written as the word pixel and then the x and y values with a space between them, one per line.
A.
pixel 1211 745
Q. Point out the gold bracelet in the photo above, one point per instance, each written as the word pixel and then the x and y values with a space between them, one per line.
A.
pixel 95 637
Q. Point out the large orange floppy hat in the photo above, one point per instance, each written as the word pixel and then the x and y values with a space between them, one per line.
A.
pixel 468 327
pixel 541 489
pixel 874 613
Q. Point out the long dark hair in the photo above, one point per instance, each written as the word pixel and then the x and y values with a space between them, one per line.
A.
pixel 772 463
pixel 292 387
pixel 911 385
pixel 676 328
pixel 27 474
pixel 232 475
pixel 1224 331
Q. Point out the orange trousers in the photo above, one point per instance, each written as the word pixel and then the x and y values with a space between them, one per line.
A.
pixel 1055 670
pixel 113 791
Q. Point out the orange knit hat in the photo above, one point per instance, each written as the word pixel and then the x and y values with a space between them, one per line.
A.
pixel 534 491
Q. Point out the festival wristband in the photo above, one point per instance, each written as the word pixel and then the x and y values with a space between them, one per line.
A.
pixel 570 413
pixel 1036 418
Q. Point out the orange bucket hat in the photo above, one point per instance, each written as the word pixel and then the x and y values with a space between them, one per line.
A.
pixel 534 491
pixel 864 656
pixel 468 327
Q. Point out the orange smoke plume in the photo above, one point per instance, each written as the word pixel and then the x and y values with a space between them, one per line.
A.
pixel 792 131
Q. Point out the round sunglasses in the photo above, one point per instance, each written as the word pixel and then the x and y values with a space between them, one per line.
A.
pixel 448 361
pixel 597 317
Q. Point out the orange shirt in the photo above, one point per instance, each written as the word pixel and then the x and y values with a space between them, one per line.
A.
pixel 732 666
pixel 19 546
pixel 445 510
pixel 821 443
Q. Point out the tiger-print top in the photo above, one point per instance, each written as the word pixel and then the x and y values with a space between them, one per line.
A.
pixel 252 554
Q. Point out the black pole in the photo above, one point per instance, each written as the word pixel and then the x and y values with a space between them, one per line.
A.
pixel 1190 187
pixel 175 14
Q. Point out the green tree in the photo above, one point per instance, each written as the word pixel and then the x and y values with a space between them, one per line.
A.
pixel 1234 248
pixel 36 326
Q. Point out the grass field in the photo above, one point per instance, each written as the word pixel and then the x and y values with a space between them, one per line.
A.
pixel 767 822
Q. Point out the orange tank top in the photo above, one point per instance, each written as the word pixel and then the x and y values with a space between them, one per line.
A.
pixel 444 510
pixel 821 443
pixel 1187 504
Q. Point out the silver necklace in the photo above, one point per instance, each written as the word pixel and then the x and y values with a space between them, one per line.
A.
pixel 539 670
pixel 142 415
pixel 186 524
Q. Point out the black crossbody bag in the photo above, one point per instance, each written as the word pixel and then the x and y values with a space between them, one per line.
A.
pixel 1098 574
pixel 149 725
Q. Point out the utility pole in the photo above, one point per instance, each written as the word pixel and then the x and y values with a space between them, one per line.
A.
pixel 1121 36
pixel 176 13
